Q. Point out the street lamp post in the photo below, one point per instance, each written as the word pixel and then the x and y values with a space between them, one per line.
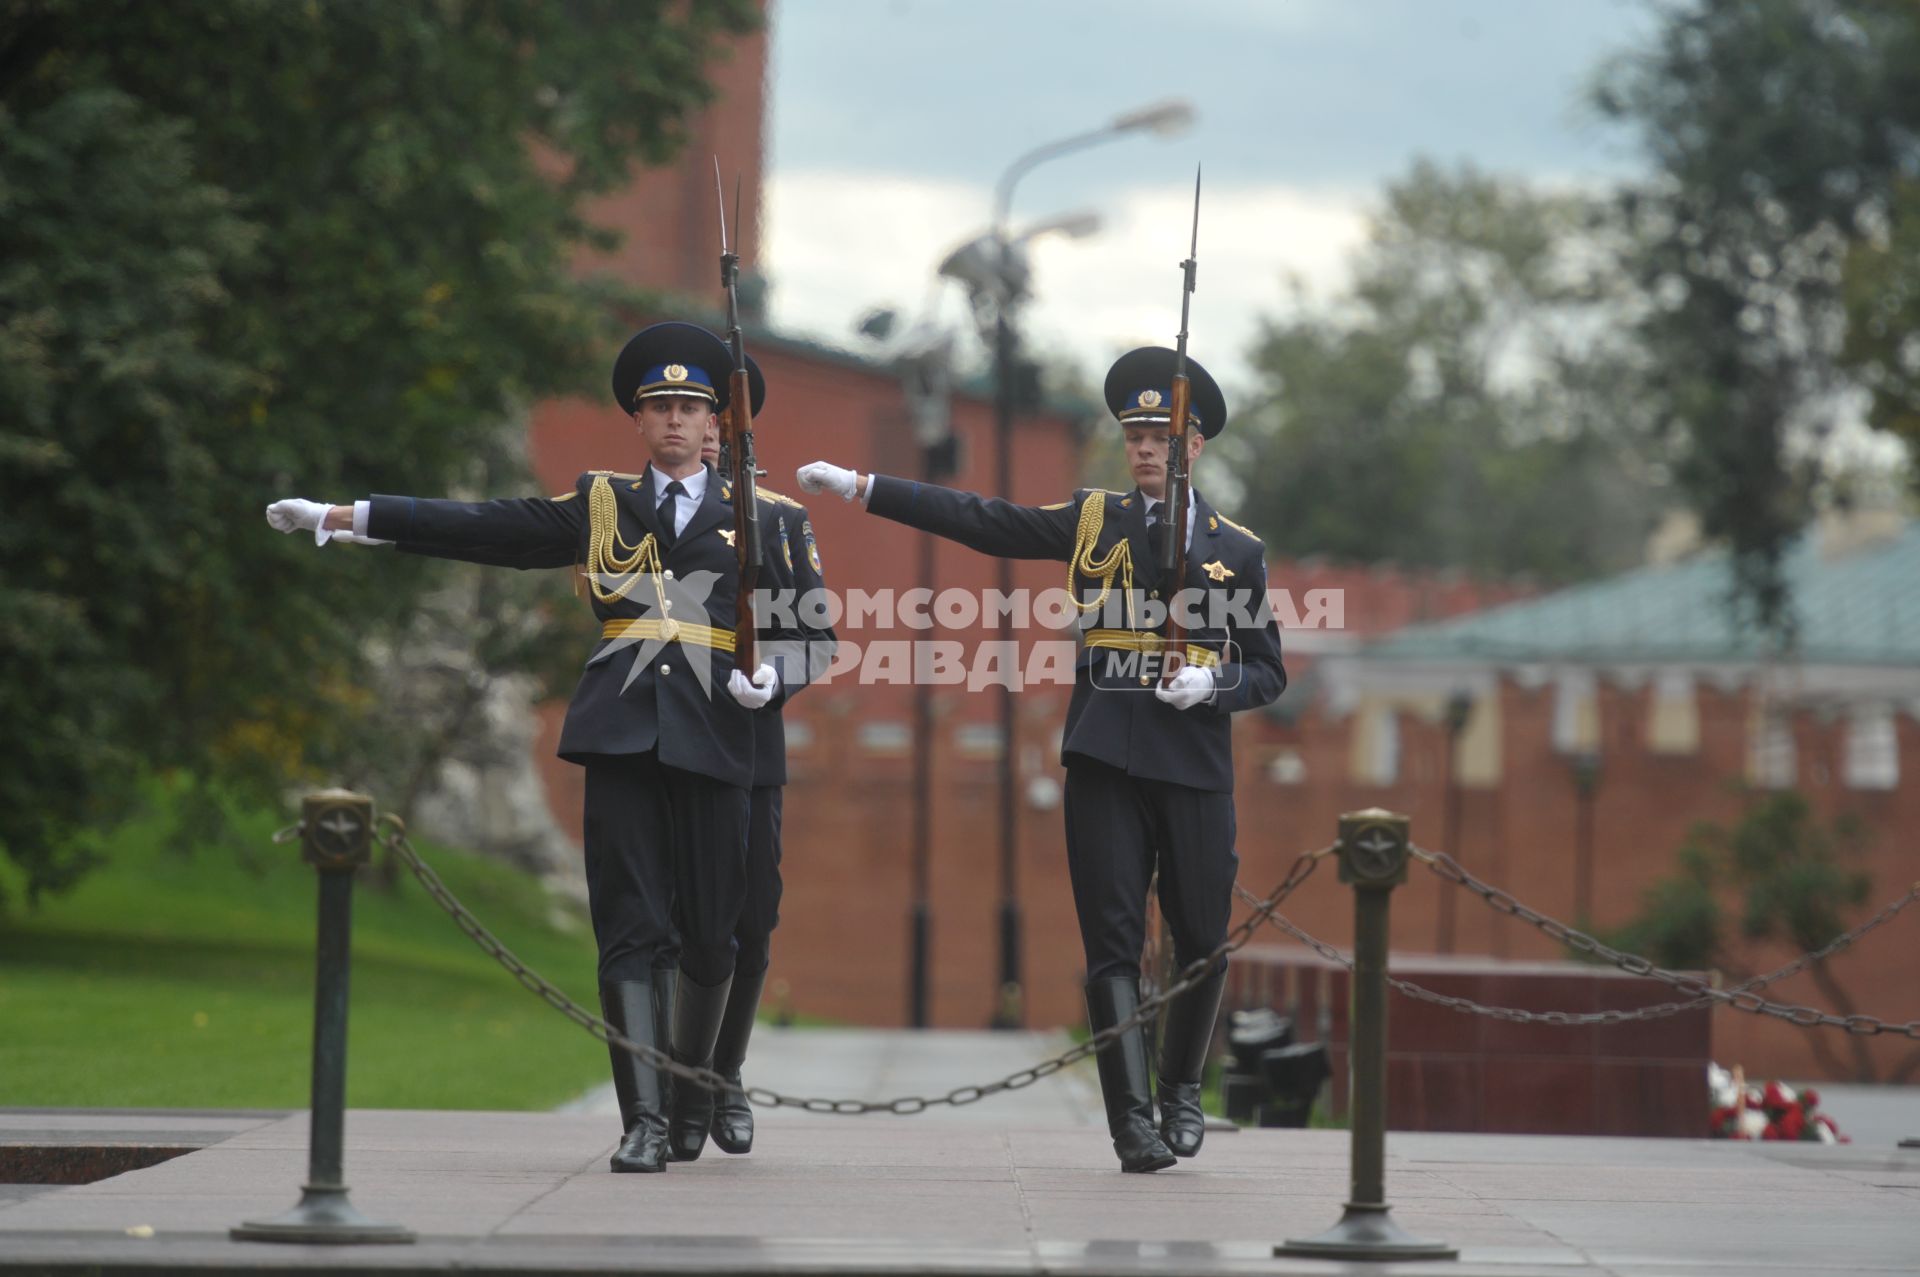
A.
pixel 1459 709
pixel 1165 119
pixel 926 376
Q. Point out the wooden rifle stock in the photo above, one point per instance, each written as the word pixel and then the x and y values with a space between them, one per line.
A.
pixel 738 430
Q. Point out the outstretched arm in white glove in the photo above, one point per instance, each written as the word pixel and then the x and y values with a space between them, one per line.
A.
pixel 754 694
pixel 1191 685
pixel 326 522
pixel 824 476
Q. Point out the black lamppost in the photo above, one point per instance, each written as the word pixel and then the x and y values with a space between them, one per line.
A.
pixel 1459 709
pixel 1165 119
pixel 926 376
pixel 1585 766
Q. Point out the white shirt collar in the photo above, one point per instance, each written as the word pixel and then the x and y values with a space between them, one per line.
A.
pixel 1193 510
pixel 695 484
pixel 1154 503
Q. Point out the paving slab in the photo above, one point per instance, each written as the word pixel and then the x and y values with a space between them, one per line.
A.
pixel 528 1192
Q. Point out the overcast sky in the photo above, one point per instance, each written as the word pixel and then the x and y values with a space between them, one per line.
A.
pixel 890 121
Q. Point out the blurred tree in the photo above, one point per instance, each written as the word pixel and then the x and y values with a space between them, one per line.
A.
pixel 251 249
pixel 1882 283
pixel 1782 132
pixel 1465 402
pixel 1795 885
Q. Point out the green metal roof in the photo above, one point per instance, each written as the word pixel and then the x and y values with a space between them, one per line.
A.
pixel 1857 607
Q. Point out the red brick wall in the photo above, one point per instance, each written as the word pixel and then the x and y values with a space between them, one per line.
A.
pixel 1521 836
pixel 669 217
pixel 1447 1071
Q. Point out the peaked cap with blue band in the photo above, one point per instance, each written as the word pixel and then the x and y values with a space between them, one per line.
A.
pixel 675 358
pixel 1140 391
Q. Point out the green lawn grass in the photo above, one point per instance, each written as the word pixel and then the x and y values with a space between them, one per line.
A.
pixel 176 980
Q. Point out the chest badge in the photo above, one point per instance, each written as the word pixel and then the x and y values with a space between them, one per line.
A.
pixel 726 534
pixel 1216 570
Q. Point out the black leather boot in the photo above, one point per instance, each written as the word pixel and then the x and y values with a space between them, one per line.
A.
pixel 697 1012
pixel 612 1013
pixel 1186 1031
pixel 1123 1076
pixel 732 1115
pixel 632 1007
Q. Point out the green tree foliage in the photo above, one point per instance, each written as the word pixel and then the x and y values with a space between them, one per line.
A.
pixel 251 249
pixel 1794 878
pixel 1463 403
pixel 1784 134
pixel 1882 284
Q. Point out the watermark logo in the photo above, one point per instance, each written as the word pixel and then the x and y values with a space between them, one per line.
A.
pixel 1115 643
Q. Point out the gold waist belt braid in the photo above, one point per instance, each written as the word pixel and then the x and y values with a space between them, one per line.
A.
pixel 1146 641
pixel 669 632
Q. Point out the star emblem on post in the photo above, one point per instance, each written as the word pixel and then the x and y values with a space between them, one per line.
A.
pixel 1216 570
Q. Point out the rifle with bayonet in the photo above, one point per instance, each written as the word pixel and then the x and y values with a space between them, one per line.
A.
pixel 1179 495
pixel 736 443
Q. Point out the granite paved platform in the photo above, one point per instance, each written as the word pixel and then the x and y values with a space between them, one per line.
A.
pixel 527 1192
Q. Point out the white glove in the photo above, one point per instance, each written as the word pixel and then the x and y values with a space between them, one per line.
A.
pixel 824 476
pixel 291 514
pixel 1191 685
pixel 766 681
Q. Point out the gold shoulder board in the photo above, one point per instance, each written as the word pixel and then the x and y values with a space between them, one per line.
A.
pixel 1242 530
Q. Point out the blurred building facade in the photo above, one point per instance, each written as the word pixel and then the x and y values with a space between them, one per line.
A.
pixel 1620 713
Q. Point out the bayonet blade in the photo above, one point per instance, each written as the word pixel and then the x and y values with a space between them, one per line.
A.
pixel 1193 251
pixel 720 195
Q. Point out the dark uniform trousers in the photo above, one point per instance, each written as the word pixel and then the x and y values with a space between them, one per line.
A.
pixel 1120 830
pixel 669 764
pixel 666 853
pixel 761 912
pixel 1149 787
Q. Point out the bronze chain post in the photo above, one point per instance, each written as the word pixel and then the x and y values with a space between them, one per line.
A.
pixel 1374 849
pixel 336 838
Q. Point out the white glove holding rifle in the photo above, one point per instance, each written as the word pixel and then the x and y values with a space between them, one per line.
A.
pixel 757 692
pixel 1191 685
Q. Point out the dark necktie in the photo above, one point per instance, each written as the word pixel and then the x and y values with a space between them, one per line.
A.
pixel 668 511
pixel 1156 535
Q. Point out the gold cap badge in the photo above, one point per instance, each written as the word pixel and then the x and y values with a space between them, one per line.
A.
pixel 1149 399
pixel 674 372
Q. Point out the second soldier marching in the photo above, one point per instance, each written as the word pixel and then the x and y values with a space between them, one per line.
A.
pixel 1149 762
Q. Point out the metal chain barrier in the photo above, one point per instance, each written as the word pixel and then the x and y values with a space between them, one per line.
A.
pixel 1742 998
pixel 393 836
pixel 1656 1011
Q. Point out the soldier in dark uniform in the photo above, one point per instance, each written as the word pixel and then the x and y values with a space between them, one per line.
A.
pixel 1149 765
pixel 784 523
pixel 662 722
